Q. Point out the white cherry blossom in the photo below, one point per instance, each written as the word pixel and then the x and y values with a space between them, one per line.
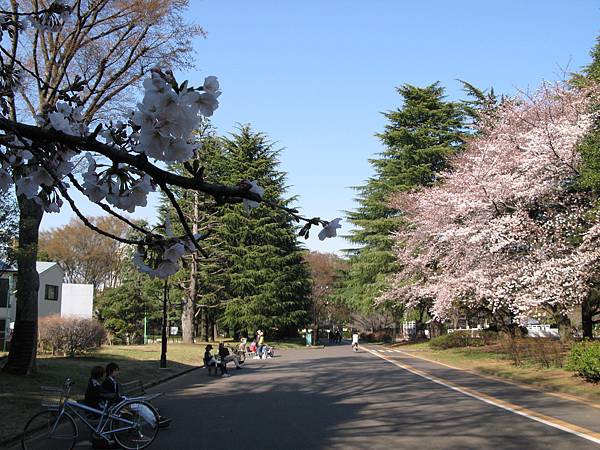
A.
pixel 329 230
pixel 256 189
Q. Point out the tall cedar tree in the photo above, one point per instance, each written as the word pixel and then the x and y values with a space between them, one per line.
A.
pixel 266 279
pixel 418 140
pixel 202 278
pixel 254 276
pixel 589 180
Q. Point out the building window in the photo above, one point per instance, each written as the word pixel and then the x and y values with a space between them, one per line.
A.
pixel 51 292
pixel 3 292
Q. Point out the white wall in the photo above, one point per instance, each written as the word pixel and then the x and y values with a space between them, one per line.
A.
pixel 53 276
pixel 77 300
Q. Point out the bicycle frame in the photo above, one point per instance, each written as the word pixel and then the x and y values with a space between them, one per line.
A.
pixel 106 416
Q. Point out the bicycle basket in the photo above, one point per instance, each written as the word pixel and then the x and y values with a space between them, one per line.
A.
pixel 52 397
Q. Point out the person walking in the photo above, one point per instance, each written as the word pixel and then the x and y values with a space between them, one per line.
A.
pixel 355 340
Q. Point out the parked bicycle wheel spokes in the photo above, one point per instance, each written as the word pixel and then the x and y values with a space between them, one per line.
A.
pixel 48 431
pixel 135 425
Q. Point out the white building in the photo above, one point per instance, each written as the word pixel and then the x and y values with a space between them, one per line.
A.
pixel 54 296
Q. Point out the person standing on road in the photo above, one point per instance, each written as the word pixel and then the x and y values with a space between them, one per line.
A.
pixel 355 341
pixel 261 343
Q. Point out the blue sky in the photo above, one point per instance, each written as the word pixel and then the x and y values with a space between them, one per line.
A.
pixel 315 75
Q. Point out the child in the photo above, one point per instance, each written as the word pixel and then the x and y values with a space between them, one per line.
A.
pixel 95 394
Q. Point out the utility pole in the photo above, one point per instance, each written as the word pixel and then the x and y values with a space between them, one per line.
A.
pixel 163 350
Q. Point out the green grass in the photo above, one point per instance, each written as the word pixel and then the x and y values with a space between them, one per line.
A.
pixel 490 360
pixel 20 396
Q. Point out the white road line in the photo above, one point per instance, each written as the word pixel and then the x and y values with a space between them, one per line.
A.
pixel 488 401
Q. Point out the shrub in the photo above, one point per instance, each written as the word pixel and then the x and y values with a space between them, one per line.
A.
pixel 69 335
pixel 489 336
pixel 377 336
pixel 584 359
pixel 455 340
pixel 543 352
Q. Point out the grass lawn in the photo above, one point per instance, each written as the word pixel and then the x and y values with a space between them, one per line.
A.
pixel 489 360
pixel 20 396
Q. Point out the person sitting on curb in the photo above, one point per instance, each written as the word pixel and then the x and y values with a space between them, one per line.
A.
pixel 226 356
pixel 112 385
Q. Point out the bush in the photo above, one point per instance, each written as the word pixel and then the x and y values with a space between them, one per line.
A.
pixel 69 335
pixel 377 336
pixel 455 340
pixel 584 359
pixel 489 336
pixel 543 352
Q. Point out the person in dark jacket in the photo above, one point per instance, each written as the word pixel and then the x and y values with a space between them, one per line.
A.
pixel 112 385
pixel 96 394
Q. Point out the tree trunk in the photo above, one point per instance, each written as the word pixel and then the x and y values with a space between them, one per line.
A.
pixel 564 328
pixel 589 309
pixel 189 307
pixel 188 313
pixel 203 325
pixel 21 358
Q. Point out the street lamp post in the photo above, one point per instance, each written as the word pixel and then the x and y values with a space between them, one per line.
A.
pixel 163 351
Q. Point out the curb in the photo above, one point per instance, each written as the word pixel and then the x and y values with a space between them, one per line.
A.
pixel 16 439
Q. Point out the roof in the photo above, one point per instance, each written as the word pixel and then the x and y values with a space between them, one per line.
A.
pixel 40 266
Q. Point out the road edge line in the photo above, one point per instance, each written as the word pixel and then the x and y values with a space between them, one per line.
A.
pixel 546 420
pixel 532 387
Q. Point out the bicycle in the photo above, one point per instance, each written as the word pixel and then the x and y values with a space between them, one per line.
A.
pixel 133 422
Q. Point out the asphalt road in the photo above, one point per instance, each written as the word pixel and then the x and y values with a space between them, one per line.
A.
pixel 333 398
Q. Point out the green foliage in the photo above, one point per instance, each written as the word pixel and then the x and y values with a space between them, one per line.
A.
pixel 9 228
pixel 254 276
pixel 266 278
pixel 457 339
pixel 419 138
pixel 584 359
pixel 122 309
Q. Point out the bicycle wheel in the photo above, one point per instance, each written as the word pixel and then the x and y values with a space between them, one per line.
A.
pixel 138 425
pixel 47 431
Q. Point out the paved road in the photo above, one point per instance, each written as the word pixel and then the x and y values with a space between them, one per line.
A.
pixel 332 398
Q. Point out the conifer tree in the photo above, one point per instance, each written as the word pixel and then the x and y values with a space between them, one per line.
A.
pixel 267 280
pixel 419 138
pixel 253 274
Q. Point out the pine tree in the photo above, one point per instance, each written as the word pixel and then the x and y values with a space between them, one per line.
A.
pixel 267 279
pixel 254 275
pixel 418 140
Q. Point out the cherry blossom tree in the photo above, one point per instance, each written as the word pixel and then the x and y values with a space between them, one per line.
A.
pixel 66 141
pixel 505 230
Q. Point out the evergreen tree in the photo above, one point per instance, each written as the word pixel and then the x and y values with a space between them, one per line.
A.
pixel 122 309
pixel 418 140
pixel 267 280
pixel 253 275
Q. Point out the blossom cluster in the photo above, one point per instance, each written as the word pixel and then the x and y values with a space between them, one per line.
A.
pixel 503 230
pixel 118 164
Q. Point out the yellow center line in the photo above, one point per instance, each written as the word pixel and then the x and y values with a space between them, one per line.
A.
pixel 516 409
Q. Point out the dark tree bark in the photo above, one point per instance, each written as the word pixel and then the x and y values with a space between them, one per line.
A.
pixel 188 313
pixel 589 308
pixel 21 358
